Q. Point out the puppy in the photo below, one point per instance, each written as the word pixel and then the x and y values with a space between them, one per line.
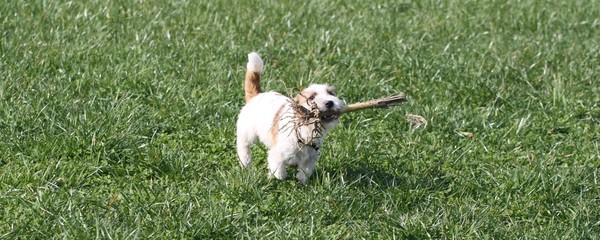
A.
pixel 270 117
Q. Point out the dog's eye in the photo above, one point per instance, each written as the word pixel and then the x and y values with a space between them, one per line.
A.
pixel 312 97
pixel 330 93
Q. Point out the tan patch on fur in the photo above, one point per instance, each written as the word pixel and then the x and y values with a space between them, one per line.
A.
pixel 275 127
pixel 302 98
pixel 251 85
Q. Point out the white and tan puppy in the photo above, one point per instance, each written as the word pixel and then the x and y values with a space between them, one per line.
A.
pixel 268 116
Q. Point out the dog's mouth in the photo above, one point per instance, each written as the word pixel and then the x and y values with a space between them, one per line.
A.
pixel 329 116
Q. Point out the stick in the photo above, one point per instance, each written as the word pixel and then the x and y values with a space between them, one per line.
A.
pixel 376 103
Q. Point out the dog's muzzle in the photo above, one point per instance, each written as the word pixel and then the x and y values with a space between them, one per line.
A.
pixel 329 116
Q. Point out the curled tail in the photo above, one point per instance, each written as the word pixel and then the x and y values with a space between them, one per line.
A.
pixel 254 69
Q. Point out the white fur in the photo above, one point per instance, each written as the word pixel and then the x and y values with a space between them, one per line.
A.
pixel 255 63
pixel 258 118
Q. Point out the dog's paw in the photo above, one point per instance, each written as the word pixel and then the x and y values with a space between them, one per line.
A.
pixel 280 175
pixel 302 178
pixel 245 164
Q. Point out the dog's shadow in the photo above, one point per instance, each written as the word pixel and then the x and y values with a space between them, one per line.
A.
pixel 367 176
pixel 361 177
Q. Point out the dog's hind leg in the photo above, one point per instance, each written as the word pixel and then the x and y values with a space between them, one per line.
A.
pixel 243 148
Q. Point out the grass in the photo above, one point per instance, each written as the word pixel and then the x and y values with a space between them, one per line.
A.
pixel 117 119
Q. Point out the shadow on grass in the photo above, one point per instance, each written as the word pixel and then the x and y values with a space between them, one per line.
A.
pixel 366 176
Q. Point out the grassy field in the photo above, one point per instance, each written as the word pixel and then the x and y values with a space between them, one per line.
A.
pixel 117 119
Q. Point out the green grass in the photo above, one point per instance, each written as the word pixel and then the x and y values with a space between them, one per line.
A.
pixel 117 120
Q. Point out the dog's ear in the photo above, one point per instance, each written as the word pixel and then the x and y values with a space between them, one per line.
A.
pixel 330 90
pixel 304 97
pixel 300 99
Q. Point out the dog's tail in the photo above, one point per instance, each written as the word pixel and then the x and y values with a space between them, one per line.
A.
pixel 254 69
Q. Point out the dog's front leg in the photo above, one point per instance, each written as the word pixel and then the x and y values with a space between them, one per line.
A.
pixel 306 168
pixel 276 165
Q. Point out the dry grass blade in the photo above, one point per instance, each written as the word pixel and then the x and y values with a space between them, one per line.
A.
pixel 416 121
pixel 376 103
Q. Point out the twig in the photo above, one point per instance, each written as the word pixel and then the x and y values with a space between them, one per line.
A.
pixel 376 103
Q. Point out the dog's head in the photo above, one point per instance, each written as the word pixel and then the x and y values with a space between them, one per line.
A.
pixel 322 97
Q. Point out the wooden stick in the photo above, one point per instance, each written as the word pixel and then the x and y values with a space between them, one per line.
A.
pixel 376 103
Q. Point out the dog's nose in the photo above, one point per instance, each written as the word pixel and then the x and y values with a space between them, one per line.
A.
pixel 329 104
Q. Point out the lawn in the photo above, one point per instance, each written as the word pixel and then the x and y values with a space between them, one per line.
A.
pixel 117 119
